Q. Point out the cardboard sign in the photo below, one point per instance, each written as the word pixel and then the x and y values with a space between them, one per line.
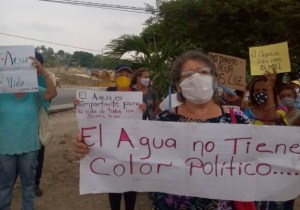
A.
pixel 238 162
pixel 108 104
pixel 16 71
pixel 231 70
pixel 269 57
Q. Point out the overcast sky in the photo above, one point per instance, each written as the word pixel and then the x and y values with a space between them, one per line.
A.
pixel 84 27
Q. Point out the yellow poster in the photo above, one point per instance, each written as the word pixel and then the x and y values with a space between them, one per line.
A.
pixel 269 57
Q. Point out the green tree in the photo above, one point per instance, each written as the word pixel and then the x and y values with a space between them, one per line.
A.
pixel 157 58
pixel 228 26
pixel 83 59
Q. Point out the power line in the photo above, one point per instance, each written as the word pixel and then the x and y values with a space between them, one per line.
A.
pixel 38 40
pixel 104 6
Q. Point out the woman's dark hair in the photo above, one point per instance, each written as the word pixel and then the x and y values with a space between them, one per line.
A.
pixel 138 73
pixel 190 55
pixel 288 87
pixel 253 81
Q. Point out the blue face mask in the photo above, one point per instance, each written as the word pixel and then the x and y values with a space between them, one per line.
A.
pixel 288 102
pixel 260 97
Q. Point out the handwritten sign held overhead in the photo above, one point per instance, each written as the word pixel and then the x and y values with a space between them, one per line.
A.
pixel 231 70
pixel 16 71
pixel 269 57
pixel 108 104
pixel 252 162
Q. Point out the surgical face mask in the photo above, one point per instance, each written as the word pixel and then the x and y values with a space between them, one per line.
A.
pixel 197 88
pixel 123 82
pixel 297 90
pixel 145 81
pixel 260 97
pixel 286 101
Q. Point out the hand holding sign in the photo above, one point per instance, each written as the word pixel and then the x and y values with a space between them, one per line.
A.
pixel 80 148
pixel 37 65
pixel 271 78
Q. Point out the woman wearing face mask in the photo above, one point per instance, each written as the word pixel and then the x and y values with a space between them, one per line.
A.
pixel 123 80
pixel 194 76
pixel 141 81
pixel 264 110
pixel 295 84
pixel 288 96
pixel 263 107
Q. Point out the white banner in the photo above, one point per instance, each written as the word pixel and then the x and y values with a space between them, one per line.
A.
pixel 16 71
pixel 218 161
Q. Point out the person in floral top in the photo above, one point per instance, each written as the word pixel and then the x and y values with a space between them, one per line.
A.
pixel 194 76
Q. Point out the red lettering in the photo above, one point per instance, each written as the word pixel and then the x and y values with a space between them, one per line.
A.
pixel 277 148
pixel 262 145
pixel 148 147
pixel 124 137
pixel 100 135
pixel 210 169
pixel 260 171
pixel 294 146
pixel 231 167
pixel 144 141
pixel 92 166
pixel 131 164
pixel 122 168
pixel 161 164
pixel 216 165
pixel 172 144
pixel 161 143
pixel 194 166
pixel 207 147
pixel 235 141
pixel 84 137
pixel 142 166
pixel 246 170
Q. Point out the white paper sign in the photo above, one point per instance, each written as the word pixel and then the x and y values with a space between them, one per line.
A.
pixel 108 104
pixel 218 161
pixel 16 71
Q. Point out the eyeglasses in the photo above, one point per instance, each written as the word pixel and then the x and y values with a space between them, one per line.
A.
pixel 123 74
pixel 202 70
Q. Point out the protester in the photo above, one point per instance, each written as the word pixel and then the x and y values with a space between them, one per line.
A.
pixel 19 140
pixel 288 96
pixel 141 81
pixel 194 76
pixel 41 154
pixel 264 109
pixel 295 84
pixel 263 106
pixel 123 81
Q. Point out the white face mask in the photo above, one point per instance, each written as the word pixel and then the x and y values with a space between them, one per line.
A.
pixel 297 90
pixel 197 88
pixel 145 81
